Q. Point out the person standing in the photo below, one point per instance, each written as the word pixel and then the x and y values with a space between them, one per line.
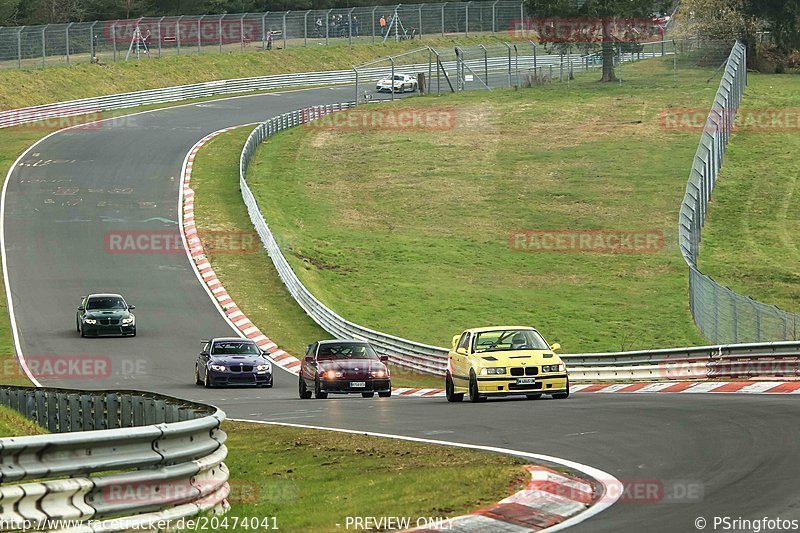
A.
pixel 382 22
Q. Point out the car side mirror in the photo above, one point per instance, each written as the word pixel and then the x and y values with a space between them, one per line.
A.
pixel 384 358
pixel 455 341
pixel 555 346
pixel 309 360
pixel 131 307
pixel 265 353
pixel 462 351
pixel 203 353
pixel 81 308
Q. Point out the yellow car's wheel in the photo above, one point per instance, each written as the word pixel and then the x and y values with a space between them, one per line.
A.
pixel 474 395
pixel 449 390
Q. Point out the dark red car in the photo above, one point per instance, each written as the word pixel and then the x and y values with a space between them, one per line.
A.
pixel 343 367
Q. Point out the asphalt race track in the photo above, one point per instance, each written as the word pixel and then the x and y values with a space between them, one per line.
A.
pixel 740 451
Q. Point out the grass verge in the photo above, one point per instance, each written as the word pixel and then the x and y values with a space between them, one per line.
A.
pixel 21 88
pixel 407 230
pixel 284 472
pixel 249 277
pixel 13 424
pixel 750 239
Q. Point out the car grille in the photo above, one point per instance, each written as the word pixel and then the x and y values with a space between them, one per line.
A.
pixel 241 379
pixel 524 371
pixel 108 322
pixel 245 368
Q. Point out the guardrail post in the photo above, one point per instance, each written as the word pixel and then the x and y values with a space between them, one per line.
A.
pixel 305 28
pixel 19 47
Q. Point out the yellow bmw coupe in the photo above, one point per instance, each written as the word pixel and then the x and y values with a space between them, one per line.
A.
pixel 504 360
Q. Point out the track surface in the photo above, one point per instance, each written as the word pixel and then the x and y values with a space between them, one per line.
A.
pixel 77 185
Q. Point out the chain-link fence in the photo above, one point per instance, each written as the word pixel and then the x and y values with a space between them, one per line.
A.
pixel 117 40
pixel 722 315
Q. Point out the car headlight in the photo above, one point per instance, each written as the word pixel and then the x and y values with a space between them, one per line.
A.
pixel 128 321
pixel 332 374
pixel 379 374
pixel 493 370
pixel 263 368
pixel 89 321
pixel 553 368
pixel 218 368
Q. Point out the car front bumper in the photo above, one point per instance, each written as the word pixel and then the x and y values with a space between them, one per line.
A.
pixel 98 330
pixel 545 384
pixel 344 386
pixel 239 379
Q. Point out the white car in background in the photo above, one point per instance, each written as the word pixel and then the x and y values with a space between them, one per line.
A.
pixel 400 83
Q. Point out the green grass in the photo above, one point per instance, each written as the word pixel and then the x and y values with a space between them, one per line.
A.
pixel 407 231
pixel 13 424
pixel 250 278
pixel 750 240
pixel 296 476
pixel 20 88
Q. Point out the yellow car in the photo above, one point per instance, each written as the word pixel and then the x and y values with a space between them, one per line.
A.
pixel 504 360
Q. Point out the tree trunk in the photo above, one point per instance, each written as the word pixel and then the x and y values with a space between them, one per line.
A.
pixel 608 62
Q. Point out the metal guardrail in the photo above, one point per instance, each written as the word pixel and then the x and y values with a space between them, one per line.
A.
pixel 721 314
pixel 116 40
pixel 725 361
pixel 61 110
pixel 121 460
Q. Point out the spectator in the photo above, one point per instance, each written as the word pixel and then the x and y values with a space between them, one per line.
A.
pixel 269 40
pixel 382 22
pixel 318 26
pixel 355 26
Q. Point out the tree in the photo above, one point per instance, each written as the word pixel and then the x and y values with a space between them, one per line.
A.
pixel 8 12
pixel 608 15
pixel 781 18
pixel 715 20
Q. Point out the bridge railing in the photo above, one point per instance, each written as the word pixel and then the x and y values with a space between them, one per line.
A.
pixel 123 459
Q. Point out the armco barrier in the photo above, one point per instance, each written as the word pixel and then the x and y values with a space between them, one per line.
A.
pixel 778 359
pixel 122 459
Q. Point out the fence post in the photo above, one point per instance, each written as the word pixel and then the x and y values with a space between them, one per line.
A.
pixel 241 30
pixel 178 34
pixel 283 28
pixel 220 32
pixel 350 26
pixel 264 31
pixel 305 28
pixel 443 6
pixel 66 39
pixel 420 21
pixel 91 40
pixel 44 28
pixel 494 16
pixel 485 63
pixel 327 25
pixel 466 19
pixel 509 62
pixel 19 46
pixel 114 39
pixel 160 35
pixel 373 23
pixel 199 31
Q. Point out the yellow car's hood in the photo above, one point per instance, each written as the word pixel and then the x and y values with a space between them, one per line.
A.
pixel 517 357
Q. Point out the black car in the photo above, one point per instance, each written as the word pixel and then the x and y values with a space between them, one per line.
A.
pixel 343 367
pixel 105 314
pixel 232 361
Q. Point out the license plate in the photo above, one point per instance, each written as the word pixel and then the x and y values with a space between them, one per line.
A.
pixel 526 381
pixel 357 384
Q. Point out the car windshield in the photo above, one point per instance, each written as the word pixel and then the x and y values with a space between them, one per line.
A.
pixel 508 339
pixel 105 302
pixel 400 78
pixel 346 350
pixel 235 348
